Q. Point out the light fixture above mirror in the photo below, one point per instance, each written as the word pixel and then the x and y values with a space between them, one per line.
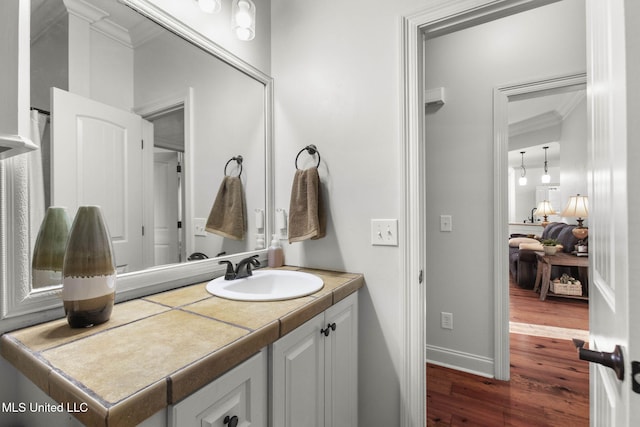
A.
pixel 243 19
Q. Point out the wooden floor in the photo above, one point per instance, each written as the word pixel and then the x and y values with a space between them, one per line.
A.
pixel 549 386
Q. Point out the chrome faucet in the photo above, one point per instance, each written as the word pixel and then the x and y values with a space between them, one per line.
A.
pixel 243 268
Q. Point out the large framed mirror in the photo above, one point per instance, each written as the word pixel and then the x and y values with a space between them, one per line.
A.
pixel 186 113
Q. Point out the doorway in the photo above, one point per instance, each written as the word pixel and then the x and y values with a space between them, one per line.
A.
pixel 528 117
pixel 467 65
pixel 424 25
pixel 609 133
pixel 168 188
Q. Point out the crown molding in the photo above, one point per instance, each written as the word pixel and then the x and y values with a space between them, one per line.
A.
pixel 535 123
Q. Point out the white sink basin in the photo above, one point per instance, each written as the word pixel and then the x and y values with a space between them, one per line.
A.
pixel 266 285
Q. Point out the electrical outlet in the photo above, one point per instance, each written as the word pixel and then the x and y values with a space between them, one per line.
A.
pixel 446 223
pixel 446 320
pixel 198 226
pixel 384 232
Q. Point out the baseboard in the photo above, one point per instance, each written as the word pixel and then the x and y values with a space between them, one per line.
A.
pixel 461 361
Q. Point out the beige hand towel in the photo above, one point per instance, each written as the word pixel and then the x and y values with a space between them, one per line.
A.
pixel 307 218
pixel 228 215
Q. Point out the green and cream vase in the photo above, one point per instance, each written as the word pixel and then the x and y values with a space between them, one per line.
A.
pixel 48 252
pixel 89 270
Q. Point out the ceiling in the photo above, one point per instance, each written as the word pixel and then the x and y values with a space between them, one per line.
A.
pixel 110 17
pixel 534 114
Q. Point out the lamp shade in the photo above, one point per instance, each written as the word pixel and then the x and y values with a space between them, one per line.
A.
pixel 544 209
pixel 578 207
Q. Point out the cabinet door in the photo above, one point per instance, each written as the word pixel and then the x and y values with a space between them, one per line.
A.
pixel 241 393
pixel 341 369
pixel 297 377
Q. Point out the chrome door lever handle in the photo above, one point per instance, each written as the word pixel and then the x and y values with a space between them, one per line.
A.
pixel 613 360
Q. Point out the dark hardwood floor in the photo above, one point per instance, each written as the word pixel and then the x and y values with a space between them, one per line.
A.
pixel 549 386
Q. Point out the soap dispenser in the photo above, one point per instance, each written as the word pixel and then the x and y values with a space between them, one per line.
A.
pixel 275 254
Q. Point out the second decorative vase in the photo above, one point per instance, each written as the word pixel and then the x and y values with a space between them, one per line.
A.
pixel 89 271
pixel 550 250
pixel 48 252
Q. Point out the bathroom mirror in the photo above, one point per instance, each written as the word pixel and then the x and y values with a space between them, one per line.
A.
pixel 196 105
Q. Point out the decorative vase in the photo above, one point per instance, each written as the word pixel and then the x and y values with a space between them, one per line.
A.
pixel 89 271
pixel 550 250
pixel 48 252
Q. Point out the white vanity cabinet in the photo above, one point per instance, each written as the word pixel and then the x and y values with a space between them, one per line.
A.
pixel 314 369
pixel 237 398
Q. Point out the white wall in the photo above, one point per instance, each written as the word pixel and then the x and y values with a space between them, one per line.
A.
pixel 536 44
pixel 336 67
pixel 573 157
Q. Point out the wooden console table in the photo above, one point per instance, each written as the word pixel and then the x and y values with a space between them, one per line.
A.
pixel 543 274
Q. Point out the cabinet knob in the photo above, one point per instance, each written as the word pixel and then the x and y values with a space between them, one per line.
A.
pixel 330 327
pixel 231 421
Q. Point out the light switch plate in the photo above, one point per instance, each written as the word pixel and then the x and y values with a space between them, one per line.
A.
pixel 384 232
pixel 198 226
pixel 446 223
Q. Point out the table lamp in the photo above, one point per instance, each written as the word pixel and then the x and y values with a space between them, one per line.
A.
pixel 578 207
pixel 545 209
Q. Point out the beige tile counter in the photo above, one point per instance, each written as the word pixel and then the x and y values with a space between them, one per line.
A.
pixel 156 350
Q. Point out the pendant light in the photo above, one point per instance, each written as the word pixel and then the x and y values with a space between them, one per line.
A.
pixel 523 171
pixel 546 178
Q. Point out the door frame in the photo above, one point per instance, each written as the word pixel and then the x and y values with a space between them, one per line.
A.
pixel 183 100
pixel 501 97
pixel 442 17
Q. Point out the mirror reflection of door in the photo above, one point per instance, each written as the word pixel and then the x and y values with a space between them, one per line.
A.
pixel 96 154
pixel 166 167
pixel 168 146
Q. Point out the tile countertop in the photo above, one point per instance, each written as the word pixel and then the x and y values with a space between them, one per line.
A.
pixel 157 350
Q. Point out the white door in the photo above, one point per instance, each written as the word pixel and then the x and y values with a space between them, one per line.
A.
pixel 165 185
pixel 97 160
pixel 613 214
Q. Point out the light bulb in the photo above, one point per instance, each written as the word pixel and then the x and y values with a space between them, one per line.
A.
pixel 522 180
pixel 244 34
pixel 546 178
pixel 243 17
pixel 209 6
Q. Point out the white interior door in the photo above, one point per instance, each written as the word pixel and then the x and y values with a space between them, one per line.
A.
pixel 165 183
pixel 97 160
pixel 613 303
